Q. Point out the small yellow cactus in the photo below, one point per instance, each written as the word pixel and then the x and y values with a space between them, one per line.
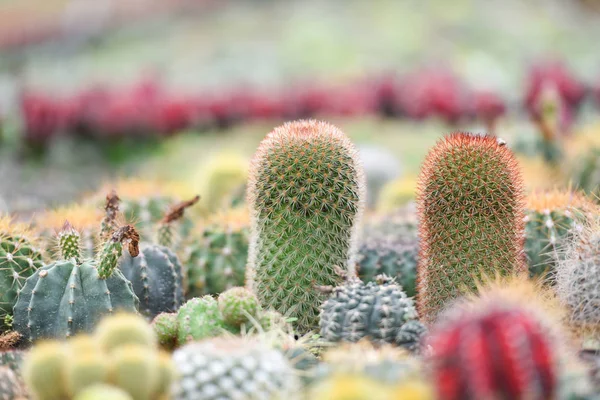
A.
pixel 397 193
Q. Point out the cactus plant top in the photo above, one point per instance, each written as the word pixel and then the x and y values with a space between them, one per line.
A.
pixel 470 206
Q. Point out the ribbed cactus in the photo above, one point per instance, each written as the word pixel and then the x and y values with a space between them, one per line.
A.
pixel 578 281
pixel 233 368
pixel 380 312
pixel 217 253
pixel 59 370
pixel 19 259
pixel 494 352
pixel 470 203
pixel 391 255
pixel 550 216
pixel 66 297
pixel 306 194
pixel 11 387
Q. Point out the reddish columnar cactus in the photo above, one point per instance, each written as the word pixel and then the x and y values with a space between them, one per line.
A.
pixel 497 353
pixel 470 203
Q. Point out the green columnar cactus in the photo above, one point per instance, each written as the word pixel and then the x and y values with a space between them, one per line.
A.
pixel 217 254
pixel 380 312
pixel 306 194
pixel 65 297
pixel 200 318
pixel 19 259
pixel 233 368
pixel 11 387
pixel 470 203
pixel 550 216
pixel 394 256
pixel 103 392
pixel 237 305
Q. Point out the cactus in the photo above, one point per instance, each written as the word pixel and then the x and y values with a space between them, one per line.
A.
pixel 19 259
pixel 578 279
pixel 388 370
pixel 222 181
pixel 306 195
pixel 470 204
pixel 380 312
pixel 166 329
pixel 237 305
pixel 349 387
pixel 550 216
pixel 133 364
pixel 103 392
pixel 66 297
pixel 233 368
pixel 394 256
pixel 200 318
pixel 216 257
pixel 11 387
pixel 491 352
pixel 397 193
pixel 124 328
pixel 83 217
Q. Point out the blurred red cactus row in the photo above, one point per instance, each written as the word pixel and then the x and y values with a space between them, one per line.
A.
pixel 147 108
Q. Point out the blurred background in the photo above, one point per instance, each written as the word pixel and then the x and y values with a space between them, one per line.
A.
pixel 172 90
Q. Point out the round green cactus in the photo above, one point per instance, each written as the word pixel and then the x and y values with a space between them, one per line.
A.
pixel 166 329
pixel 19 259
pixel 380 312
pixel 216 257
pixel 306 194
pixel 237 305
pixel 66 297
pixel 470 203
pixel 233 368
pixel 200 318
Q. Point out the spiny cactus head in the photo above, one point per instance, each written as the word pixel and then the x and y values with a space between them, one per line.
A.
pixel 165 327
pixel 237 305
pixel 471 215
pixel 135 369
pixel 124 328
pixel 68 242
pixel 502 363
pixel 102 392
pixel 199 318
pixel 113 248
pixel 43 368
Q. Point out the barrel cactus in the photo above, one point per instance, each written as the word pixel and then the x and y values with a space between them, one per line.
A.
pixel 69 296
pixel 216 255
pixel 306 194
pixel 378 311
pixel 19 259
pixel 550 216
pixel 470 204
pixel 233 368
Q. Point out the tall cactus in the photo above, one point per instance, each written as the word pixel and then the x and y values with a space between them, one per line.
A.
pixel 67 296
pixel 306 192
pixel 470 204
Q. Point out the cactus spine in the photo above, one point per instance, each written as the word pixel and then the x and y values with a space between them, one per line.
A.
pixel 470 204
pixel 306 195
pixel 66 297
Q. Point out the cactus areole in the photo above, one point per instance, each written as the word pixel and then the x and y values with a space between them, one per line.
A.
pixel 69 296
pixel 306 192
pixel 470 205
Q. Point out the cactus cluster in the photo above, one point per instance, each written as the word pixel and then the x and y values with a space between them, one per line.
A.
pixel 217 252
pixel 69 296
pixel 306 196
pixel 378 311
pixel 550 217
pixel 122 352
pixel 233 368
pixel 19 259
pixel 470 204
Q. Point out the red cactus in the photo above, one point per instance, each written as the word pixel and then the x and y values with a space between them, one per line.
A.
pixel 500 353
